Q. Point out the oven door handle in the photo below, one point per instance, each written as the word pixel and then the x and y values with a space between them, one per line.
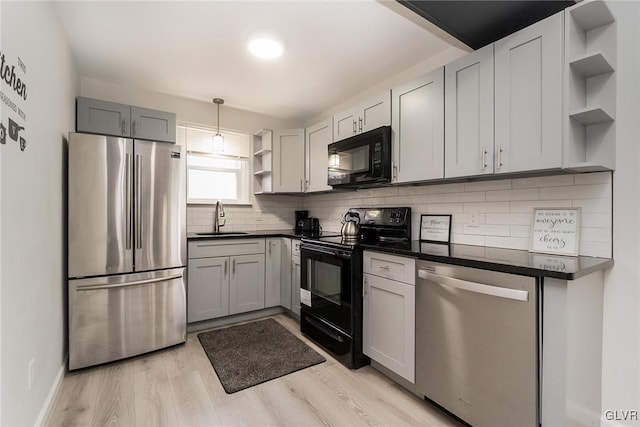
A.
pixel 324 251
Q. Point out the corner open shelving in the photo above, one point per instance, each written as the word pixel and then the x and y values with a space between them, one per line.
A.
pixel 262 162
pixel 590 87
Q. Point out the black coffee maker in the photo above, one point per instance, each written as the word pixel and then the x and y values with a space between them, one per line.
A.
pixel 300 217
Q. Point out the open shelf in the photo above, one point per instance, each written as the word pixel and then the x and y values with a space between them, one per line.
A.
pixel 261 172
pixel 592 14
pixel 591 64
pixel 591 115
pixel 261 152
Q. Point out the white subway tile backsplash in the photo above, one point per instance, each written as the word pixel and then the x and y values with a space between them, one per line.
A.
pixel 594 205
pixel 521 231
pixel 509 195
pixel 508 242
pixel 543 181
pixel 600 235
pixel 593 178
pixel 596 220
pixel 488 185
pixel 593 191
pixel 528 206
pixel 510 218
pixel 487 230
pixel 503 209
pixel 487 207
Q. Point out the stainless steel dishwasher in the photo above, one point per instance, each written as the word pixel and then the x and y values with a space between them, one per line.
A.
pixel 477 345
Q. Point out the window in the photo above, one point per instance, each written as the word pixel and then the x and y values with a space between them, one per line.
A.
pixel 216 176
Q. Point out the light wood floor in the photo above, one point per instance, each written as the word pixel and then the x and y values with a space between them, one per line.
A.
pixel 178 387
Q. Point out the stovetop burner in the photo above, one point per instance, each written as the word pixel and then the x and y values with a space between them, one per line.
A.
pixel 384 227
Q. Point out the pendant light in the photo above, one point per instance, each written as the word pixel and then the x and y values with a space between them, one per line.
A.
pixel 218 139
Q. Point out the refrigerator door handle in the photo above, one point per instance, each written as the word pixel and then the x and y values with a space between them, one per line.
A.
pixel 128 224
pixel 138 203
pixel 125 285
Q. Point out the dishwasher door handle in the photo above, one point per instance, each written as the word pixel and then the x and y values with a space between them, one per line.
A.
pixel 496 291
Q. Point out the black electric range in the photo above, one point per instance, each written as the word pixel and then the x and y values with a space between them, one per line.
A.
pixel 331 281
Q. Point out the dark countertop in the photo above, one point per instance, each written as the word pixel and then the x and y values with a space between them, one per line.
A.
pixel 253 234
pixel 497 259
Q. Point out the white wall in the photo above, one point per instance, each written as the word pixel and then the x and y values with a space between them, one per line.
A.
pixel 32 244
pixel 621 335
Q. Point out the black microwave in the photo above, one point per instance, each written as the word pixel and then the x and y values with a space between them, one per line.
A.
pixel 361 159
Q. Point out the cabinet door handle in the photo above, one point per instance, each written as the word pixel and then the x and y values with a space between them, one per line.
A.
pixel 364 287
pixel 300 185
pixel 270 244
pixel 123 127
pixel 233 267
pixel 360 123
pixel 384 267
pixel 395 172
pixel 354 127
pixel 226 262
pixel 484 158
pixel 133 128
pixel 500 156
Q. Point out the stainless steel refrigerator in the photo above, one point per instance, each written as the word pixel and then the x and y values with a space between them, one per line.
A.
pixel 127 247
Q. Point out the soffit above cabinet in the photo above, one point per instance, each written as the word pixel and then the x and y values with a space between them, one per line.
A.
pixel 478 23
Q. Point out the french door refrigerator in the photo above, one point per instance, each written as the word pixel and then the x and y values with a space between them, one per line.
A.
pixel 127 247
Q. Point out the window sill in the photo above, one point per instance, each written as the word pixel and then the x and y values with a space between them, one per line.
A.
pixel 241 204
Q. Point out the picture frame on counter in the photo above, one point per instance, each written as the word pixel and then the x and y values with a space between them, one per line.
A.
pixel 556 231
pixel 435 228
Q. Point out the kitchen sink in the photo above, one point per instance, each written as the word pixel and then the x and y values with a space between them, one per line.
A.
pixel 223 233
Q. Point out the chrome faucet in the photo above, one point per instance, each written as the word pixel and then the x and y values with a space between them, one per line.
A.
pixel 216 217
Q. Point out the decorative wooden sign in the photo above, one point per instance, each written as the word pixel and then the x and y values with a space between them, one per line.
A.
pixel 556 231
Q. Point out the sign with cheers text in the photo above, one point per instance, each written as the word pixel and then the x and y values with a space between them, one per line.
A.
pixel 556 231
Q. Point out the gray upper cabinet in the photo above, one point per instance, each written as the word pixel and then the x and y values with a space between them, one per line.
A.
pixel 318 138
pixel 528 98
pixel 469 115
pixel 418 128
pixel 153 124
pixel 101 117
pixel 111 118
pixel 371 114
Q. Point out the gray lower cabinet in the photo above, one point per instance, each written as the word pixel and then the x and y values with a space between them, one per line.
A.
pixel 225 277
pixel 273 272
pixel 285 283
pixel 112 118
pixel 246 284
pixel 208 295
pixel 295 277
pixel 388 324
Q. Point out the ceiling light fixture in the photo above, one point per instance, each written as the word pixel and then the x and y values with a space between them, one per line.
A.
pixel 218 140
pixel 265 47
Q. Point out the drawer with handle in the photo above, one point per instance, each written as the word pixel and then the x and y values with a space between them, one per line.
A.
pixel 390 266
pixel 225 247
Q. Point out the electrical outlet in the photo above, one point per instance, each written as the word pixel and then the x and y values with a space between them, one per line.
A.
pixel 31 373
pixel 473 219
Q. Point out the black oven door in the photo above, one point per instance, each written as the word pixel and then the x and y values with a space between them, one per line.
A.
pixel 325 284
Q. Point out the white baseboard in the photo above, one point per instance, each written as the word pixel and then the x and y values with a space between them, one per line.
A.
pixel 53 392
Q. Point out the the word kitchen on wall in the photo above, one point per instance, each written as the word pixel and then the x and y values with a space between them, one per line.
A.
pixel 13 93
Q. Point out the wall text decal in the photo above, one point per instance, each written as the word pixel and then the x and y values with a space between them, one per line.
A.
pixel 12 78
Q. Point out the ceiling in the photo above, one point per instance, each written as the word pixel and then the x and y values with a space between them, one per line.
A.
pixel 478 23
pixel 334 49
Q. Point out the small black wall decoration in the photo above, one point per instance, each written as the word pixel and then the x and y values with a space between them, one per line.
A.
pixel 12 76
